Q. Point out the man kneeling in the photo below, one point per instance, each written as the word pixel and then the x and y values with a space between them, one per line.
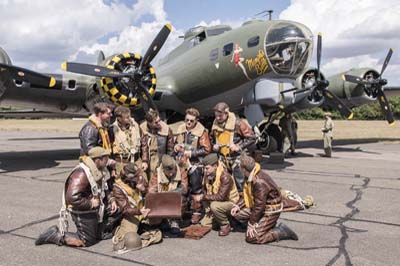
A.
pixel 85 197
pixel 261 206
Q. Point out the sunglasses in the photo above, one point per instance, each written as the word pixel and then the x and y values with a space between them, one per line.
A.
pixel 189 120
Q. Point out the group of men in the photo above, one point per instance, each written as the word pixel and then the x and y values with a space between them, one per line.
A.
pixel 121 163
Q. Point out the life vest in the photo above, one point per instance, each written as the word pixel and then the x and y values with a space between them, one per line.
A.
pixel 102 131
pixel 214 187
pixel 224 134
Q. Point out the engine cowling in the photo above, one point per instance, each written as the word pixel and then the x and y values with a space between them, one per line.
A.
pixel 307 98
pixel 123 91
pixel 353 91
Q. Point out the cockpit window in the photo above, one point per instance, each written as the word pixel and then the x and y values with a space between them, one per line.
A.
pixel 253 41
pixel 287 49
pixel 227 50
pixel 218 31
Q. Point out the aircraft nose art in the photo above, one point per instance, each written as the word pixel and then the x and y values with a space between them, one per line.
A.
pixel 288 47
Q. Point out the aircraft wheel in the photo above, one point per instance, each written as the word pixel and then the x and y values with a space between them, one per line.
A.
pixel 273 139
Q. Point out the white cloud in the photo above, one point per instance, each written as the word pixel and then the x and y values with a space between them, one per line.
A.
pixel 356 33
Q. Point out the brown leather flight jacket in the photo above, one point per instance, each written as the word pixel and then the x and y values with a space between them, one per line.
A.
pixel 224 188
pixel 123 203
pixel 265 192
pixel 78 192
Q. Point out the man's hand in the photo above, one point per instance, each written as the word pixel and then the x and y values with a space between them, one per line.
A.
pixel 114 207
pixel 145 166
pixel 235 210
pixel 144 212
pixel 179 148
pixel 216 147
pixel 140 186
pixel 111 163
pixel 95 203
pixel 251 230
pixel 187 154
pixel 234 148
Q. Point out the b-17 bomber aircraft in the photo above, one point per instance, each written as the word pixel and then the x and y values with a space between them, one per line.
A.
pixel 260 69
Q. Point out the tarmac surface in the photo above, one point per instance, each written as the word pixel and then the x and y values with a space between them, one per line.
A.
pixel 356 220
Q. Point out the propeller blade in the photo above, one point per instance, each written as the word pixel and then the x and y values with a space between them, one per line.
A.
pixel 92 70
pixel 354 79
pixel 387 59
pixel 30 76
pixel 155 46
pixel 338 104
pixel 319 54
pixel 385 107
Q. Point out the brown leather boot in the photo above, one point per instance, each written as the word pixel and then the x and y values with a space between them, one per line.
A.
pixel 224 230
pixel 284 232
pixel 50 236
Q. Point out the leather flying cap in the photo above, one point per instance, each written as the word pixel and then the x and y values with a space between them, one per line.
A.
pixel 97 152
pixel 130 169
pixel 221 107
pixel 168 162
pixel 210 159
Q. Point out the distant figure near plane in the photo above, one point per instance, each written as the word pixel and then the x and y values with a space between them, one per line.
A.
pixel 327 134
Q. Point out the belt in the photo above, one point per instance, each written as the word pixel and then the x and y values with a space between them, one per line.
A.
pixel 126 158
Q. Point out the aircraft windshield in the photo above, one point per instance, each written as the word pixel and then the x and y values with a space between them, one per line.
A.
pixel 287 49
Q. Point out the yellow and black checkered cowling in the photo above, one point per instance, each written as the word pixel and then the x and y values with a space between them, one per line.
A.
pixel 112 87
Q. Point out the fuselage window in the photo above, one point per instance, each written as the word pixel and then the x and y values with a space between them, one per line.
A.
pixel 227 50
pixel 253 41
pixel 213 54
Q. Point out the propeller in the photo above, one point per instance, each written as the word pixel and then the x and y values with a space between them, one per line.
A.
pixel 374 86
pixel 137 78
pixel 32 77
pixel 320 86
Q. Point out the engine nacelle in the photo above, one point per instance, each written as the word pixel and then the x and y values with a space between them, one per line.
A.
pixel 123 91
pixel 352 91
pixel 308 98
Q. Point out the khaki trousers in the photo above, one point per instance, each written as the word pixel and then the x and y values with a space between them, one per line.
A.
pixel 266 224
pixel 220 211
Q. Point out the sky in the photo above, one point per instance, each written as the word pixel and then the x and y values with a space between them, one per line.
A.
pixel 40 35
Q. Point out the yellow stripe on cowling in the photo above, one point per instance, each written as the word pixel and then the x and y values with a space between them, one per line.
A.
pixel 343 77
pixel 105 87
pixel 153 81
pixel 133 101
pixel 392 124
pixel 168 26
pixel 127 55
pixel 52 82
pixel 151 91
pixel 137 56
pixel 109 81
pixel 110 66
pixel 114 99
pixel 123 98
pixel 64 66
pixel 151 70
pixel 114 91
pixel 350 116
pixel 116 59
pixel 319 34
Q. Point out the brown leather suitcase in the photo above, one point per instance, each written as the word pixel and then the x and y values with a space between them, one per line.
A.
pixel 164 205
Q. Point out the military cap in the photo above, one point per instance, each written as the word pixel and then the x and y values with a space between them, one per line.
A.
pixel 247 162
pixel 167 161
pixel 210 159
pixel 97 152
pixel 221 107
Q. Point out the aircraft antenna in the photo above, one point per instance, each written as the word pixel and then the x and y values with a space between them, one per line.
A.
pixel 270 13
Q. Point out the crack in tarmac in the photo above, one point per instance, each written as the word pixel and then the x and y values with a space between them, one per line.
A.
pixel 342 251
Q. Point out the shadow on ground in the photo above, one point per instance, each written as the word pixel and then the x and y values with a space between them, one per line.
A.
pixel 34 160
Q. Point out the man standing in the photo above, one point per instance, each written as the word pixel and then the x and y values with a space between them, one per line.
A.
pixel 261 206
pixel 129 194
pixel 327 134
pixel 219 194
pixel 230 136
pixel 288 133
pixel 94 132
pixel 170 177
pixel 192 144
pixel 160 139
pixel 127 140
pixel 85 197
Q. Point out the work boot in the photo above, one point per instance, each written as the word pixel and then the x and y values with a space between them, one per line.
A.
pixel 175 229
pixel 284 233
pixel 224 230
pixel 50 236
